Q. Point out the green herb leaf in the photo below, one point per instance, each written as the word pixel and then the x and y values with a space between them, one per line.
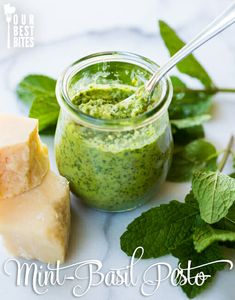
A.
pixel 33 86
pixel 190 199
pixel 160 229
pixel 189 65
pixel 39 92
pixel 205 235
pixel 196 155
pixel 230 217
pixel 228 222
pixel 190 122
pixel 188 103
pixel 187 135
pixel 186 252
pixel 46 110
pixel 215 193
pixel 178 83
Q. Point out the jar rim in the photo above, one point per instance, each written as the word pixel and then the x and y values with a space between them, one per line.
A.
pixel 111 124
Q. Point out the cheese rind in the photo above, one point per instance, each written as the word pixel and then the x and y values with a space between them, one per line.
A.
pixel 23 158
pixel 36 224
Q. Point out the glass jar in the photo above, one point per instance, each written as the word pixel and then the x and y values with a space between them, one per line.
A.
pixel 112 165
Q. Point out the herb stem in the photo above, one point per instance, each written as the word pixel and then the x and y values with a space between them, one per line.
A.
pixel 231 221
pixel 225 90
pixel 226 154
pixel 209 91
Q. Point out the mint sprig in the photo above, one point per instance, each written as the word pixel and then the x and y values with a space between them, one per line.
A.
pixel 194 230
pixel 189 107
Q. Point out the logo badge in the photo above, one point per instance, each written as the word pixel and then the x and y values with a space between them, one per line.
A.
pixel 20 28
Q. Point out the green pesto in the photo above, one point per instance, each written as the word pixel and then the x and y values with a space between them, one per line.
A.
pixel 101 101
pixel 117 170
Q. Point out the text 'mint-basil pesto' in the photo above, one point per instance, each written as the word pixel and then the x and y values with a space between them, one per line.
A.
pixel 114 157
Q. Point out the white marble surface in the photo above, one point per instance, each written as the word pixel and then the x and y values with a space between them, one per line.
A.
pixel 68 30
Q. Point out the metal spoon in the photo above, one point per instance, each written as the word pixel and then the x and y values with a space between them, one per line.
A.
pixel 224 20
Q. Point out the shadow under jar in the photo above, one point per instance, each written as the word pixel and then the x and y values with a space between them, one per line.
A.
pixel 115 163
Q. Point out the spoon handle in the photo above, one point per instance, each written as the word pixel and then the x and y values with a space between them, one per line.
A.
pixel 224 20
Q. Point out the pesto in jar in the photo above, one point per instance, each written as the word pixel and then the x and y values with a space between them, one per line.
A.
pixel 101 102
pixel 117 170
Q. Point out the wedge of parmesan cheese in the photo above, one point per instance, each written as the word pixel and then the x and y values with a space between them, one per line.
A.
pixel 36 224
pixel 23 158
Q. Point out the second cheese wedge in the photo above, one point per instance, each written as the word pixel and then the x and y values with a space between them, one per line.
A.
pixel 23 158
pixel 36 224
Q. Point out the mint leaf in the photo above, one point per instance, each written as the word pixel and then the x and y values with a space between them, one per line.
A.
pixel 190 122
pixel 215 193
pixel 46 110
pixel 230 217
pixel 189 65
pixel 187 135
pixel 186 252
pixel 198 154
pixel 39 92
pixel 178 83
pixel 205 235
pixel 160 229
pixel 190 199
pixel 228 222
pixel 35 85
pixel 188 103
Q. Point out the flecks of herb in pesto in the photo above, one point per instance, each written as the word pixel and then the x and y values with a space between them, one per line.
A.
pixel 100 101
pixel 116 170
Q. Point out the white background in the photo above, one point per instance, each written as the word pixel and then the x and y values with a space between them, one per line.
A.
pixel 64 32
